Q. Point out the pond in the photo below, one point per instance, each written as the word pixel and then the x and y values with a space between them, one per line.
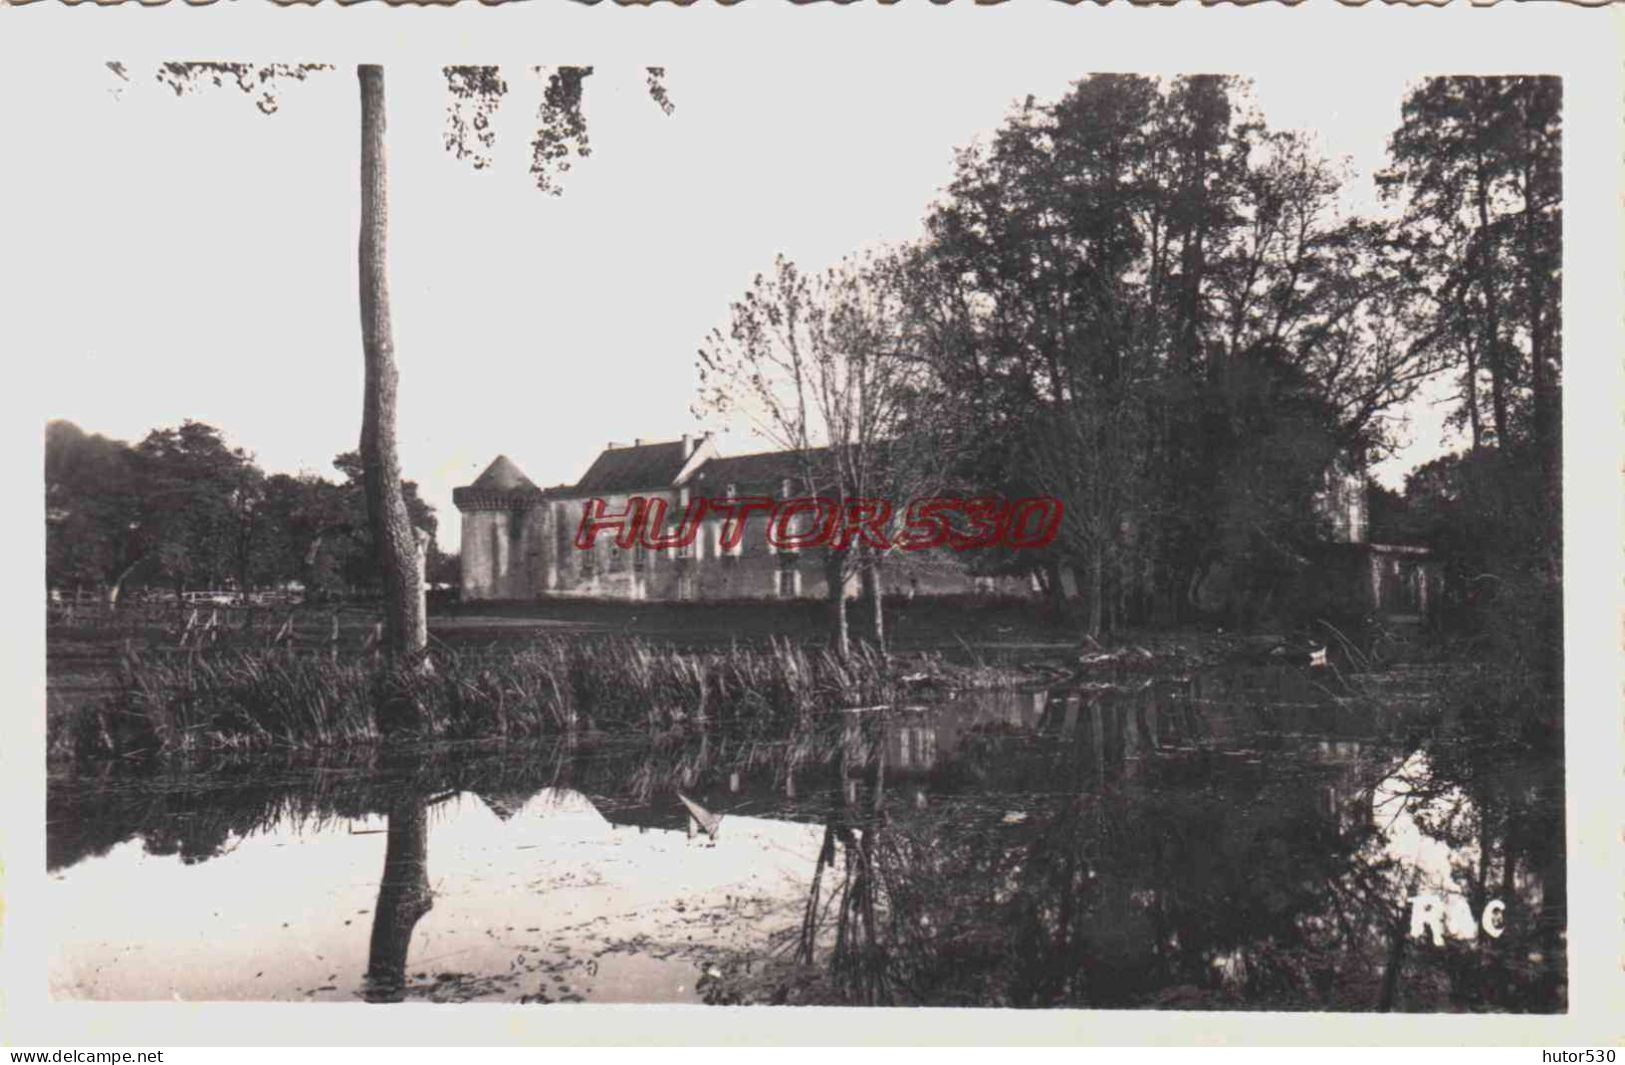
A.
pixel 1236 839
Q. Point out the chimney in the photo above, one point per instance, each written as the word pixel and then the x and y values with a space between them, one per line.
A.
pixel 688 445
pixel 638 441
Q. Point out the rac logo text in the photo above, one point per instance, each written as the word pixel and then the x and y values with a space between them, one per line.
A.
pixel 1452 916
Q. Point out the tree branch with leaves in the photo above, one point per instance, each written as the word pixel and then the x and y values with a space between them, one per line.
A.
pixel 475 94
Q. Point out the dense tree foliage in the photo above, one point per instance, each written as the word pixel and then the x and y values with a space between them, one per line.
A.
pixel 1144 301
pixel 1477 169
pixel 93 533
pixel 1173 325
pixel 182 509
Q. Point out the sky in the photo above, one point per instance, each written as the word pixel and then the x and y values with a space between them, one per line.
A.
pixel 535 326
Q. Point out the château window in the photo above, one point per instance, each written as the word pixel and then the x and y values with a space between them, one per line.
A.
pixel 788 583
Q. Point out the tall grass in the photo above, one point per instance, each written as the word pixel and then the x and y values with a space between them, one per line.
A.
pixel 281 698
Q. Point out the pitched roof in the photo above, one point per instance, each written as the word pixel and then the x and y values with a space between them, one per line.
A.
pixel 642 467
pixel 762 468
pixel 502 476
pixel 627 469
pixel 507 802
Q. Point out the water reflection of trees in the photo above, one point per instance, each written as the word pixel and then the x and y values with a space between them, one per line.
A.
pixel 1497 803
pixel 200 811
pixel 1202 844
pixel 1186 880
pixel 1158 867
pixel 403 898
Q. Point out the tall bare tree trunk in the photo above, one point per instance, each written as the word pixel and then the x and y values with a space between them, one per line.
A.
pixel 835 574
pixel 1547 396
pixel 1494 357
pixel 394 539
pixel 874 591
pixel 1097 586
pixel 1055 589
pixel 1475 418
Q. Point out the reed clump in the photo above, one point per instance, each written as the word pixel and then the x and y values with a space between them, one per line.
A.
pixel 271 698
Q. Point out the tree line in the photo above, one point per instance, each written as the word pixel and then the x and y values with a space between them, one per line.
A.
pixel 182 509
pixel 1139 299
pixel 474 93
pixel 1144 301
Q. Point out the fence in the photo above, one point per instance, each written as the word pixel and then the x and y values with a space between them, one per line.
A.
pixel 193 625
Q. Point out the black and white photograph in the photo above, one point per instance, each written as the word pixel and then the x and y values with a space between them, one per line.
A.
pixel 581 532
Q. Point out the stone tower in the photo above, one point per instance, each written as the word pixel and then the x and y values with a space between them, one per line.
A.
pixel 503 532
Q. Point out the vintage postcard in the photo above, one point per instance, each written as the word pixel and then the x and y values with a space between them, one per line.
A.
pixel 1109 528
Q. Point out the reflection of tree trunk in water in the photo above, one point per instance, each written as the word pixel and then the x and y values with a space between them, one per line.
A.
pixel 857 963
pixel 1507 989
pixel 1509 855
pixel 1478 983
pixel 869 954
pixel 1479 887
pixel 1063 919
pixel 809 919
pixel 403 898
pixel 834 828
pixel 1540 835
pixel 1396 961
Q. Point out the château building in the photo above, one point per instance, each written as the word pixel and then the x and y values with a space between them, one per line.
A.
pixel 518 540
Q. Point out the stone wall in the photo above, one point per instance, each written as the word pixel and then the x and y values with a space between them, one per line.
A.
pixel 528 551
pixel 481 563
pixel 506 550
pixel 494 553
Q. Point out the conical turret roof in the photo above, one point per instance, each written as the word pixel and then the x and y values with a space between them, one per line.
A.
pixel 502 476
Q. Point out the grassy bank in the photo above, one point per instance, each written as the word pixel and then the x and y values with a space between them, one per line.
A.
pixel 272 698
pixel 87 644
pixel 144 681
